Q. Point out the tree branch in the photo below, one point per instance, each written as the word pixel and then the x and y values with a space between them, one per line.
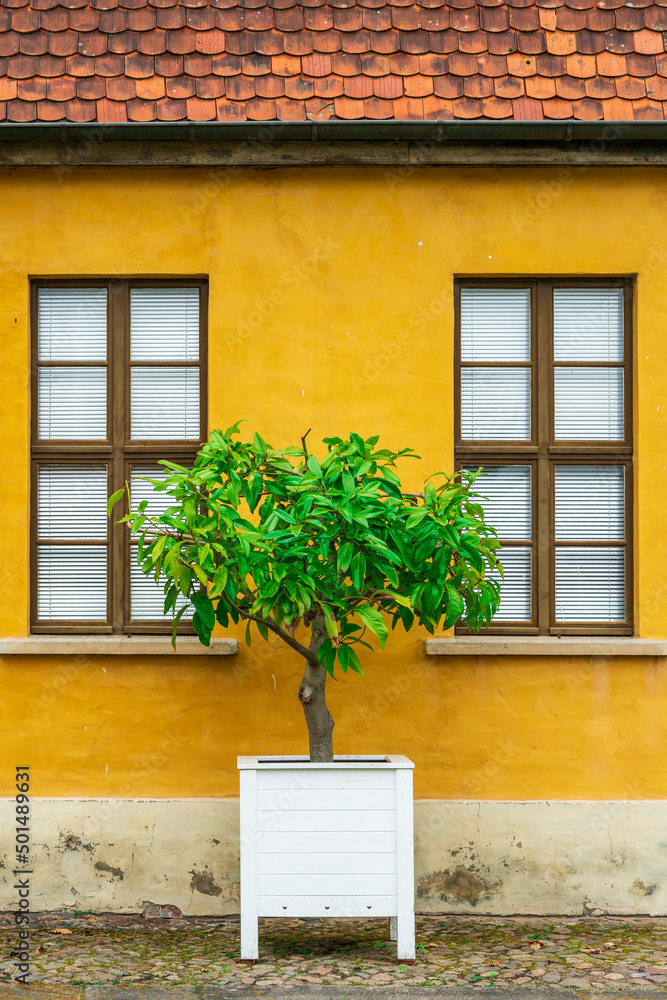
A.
pixel 275 628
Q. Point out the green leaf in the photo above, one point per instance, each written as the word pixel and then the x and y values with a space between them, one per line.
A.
pixel 344 657
pixel 205 610
pixel 348 481
pixel 353 660
pixel 174 626
pixel 375 622
pixel 113 499
pixel 345 553
pixel 247 633
pixel 201 629
pixel 262 629
pixel 314 466
pixel 358 570
pixel 222 614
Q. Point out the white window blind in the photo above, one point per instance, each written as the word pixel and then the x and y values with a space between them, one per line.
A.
pixel 147 595
pixel 165 324
pixel 495 324
pixel 590 502
pixel 506 498
pixel 72 324
pixel 588 404
pixel 590 584
pixel 495 328
pixel 165 403
pixel 72 399
pixel 495 404
pixel 588 324
pixel 71 582
pixel 71 506
pixel 164 327
pixel 590 507
pixel 588 401
pixel 72 403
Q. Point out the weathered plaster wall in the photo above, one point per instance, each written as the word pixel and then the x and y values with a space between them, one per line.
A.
pixel 471 857
pixel 332 308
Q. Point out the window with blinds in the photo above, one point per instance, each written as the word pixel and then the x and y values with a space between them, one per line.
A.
pixel 543 408
pixel 118 384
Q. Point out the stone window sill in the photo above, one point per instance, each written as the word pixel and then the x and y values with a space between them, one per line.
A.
pixel 115 645
pixel 518 645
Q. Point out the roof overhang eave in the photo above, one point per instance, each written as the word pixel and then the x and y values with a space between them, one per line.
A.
pixel 600 133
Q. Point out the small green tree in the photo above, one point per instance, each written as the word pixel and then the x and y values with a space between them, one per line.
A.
pixel 284 540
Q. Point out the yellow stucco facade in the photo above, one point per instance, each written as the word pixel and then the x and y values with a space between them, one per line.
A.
pixel 331 307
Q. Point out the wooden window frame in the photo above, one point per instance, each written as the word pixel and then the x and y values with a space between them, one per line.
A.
pixel 542 452
pixel 117 451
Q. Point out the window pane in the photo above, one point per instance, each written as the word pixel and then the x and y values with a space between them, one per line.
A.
pixel 147 596
pixel 495 324
pixel 72 403
pixel 588 404
pixel 590 584
pixel 165 403
pixel 72 582
pixel 156 502
pixel 588 324
pixel 590 502
pixel 164 324
pixel 506 499
pixel 72 324
pixel 72 501
pixel 516 588
pixel 495 404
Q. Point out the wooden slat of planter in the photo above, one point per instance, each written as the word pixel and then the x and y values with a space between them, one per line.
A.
pixel 339 821
pixel 320 799
pixel 327 906
pixel 327 864
pixel 289 884
pixel 326 843
pixel 304 779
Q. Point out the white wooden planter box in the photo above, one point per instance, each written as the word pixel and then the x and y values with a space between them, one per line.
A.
pixel 327 840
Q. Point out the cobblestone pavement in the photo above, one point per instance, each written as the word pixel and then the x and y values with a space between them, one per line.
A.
pixel 593 954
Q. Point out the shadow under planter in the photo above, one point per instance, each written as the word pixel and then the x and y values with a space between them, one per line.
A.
pixel 327 840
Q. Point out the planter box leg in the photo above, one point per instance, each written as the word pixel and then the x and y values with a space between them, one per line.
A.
pixel 405 936
pixel 249 934
pixel 249 921
pixel 392 929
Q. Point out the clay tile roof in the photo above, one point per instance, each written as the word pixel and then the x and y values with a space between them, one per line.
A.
pixel 296 60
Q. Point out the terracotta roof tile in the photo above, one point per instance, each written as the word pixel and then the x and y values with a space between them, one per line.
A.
pixel 33 89
pixel 290 60
pixel 631 88
pixel 496 107
pixel 300 43
pixel 600 88
pixel 492 65
pixel 418 85
pixel 92 88
pixel 448 87
pixel 478 86
pixel 587 109
pixel 509 87
pixel 645 109
pixel 35 44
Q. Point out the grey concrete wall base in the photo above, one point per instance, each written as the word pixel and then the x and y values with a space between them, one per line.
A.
pixel 476 856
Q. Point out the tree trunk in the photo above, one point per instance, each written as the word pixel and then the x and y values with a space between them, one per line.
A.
pixel 312 696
